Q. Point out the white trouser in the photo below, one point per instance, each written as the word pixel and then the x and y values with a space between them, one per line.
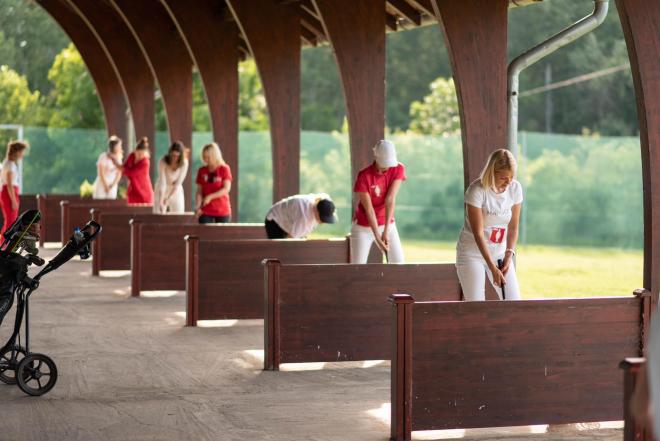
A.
pixel 176 204
pixel 362 238
pixel 472 275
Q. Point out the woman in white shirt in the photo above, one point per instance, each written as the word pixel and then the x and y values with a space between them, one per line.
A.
pixel 172 170
pixel 108 168
pixel 490 231
pixel 10 179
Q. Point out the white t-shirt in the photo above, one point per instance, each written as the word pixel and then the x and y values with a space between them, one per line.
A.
pixel 496 209
pixel 295 214
pixel 10 166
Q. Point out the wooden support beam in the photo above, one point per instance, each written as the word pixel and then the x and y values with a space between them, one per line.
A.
pixel 390 21
pixel 424 6
pixel 640 20
pixel 216 57
pixel 108 86
pixel 124 51
pixel 407 11
pixel 356 31
pixel 170 63
pixel 313 24
pixel 273 35
pixel 476 38
pixel 308 6
pixel 308 36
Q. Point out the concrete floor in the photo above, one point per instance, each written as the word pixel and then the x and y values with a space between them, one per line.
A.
pixel 129 370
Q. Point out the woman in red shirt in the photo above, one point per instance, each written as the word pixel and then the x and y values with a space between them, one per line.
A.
pixel 213 186
pixel 10 180
pixel 136 169
pixel 376 187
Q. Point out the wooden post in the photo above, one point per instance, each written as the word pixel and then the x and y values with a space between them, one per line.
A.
pixel 356 30
pixel 96 244
pixel 271 314
pixel 170 64
pixel 640 20
pixel 192 280
pixel 109 87
pixel 123 50
pixel 476 37
pixel 633 430
pixel 272 30
pixel 136 258
pixel 215 52
pixel 401 370
pixel 64 219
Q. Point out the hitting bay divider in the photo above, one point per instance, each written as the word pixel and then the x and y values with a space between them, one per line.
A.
pixel 317 313
pixel 51 217
pixel 492 364
pixel 74 214
pixel 112 249
pixel 158 251
pixel 225 278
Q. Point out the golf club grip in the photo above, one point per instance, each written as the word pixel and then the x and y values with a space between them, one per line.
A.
pixel 500 264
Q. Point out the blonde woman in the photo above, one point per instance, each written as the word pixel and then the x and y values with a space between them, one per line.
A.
pixel 172 170
pixel 108 168
pixel 10 179
pixel 213 187
pixel 490 231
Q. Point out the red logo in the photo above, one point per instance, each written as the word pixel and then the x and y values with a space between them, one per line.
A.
pixel 497 235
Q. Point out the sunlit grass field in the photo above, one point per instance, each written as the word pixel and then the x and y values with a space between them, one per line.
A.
pixel 551 271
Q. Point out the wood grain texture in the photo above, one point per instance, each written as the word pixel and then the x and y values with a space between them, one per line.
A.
pixel 112 248
pixel 124 52
pixel 109 87
pixel 357 33
pixel 231 276
pixel 160 251
pixel 491 364
pixel 272 31
pixel 170 64
pixel 215 52
pixel 476 37
pixel 51 217
pixel 76 214
pixel 340 312
pixel 640 20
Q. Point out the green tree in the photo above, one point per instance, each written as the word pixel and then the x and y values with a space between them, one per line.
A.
pixel 438 113
pixel 74 100
pixel 253 113
pixel 18 104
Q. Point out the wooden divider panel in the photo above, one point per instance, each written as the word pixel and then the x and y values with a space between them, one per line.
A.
pixel 158 251
pixel 231 276
pixel 341 313
pixel 488 364
pixel 75 214
pixel 51 217
pixel 112 249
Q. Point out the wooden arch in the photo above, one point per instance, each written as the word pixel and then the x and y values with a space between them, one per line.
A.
pixel 215 50
pixel 108 86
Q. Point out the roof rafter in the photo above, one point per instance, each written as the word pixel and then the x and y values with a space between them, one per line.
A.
pixel 406 10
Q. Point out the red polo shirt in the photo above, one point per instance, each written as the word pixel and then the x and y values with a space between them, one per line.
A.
pixel 210 182
pixel 377 184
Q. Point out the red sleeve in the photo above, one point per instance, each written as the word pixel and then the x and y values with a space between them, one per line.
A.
pixel 400 172
pixel 129 166
pixel 361 185
pixel 199 180
pixel 226 171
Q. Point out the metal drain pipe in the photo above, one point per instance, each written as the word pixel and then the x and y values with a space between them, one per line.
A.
pixel 540 51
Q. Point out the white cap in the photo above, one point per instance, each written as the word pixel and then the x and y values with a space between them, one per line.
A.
pixel 385 154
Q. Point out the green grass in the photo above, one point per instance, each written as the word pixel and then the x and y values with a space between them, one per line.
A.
pixel 552 271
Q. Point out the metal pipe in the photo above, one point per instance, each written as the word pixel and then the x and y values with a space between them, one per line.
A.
pixel 540 51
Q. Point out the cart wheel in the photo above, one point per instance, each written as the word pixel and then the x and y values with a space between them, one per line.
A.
pixel 9 362
pixel 36 374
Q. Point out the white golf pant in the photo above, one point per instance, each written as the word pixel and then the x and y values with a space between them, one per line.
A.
pixel 472 275
pixel 362 238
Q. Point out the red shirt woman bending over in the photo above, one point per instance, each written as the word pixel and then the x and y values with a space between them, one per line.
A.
pixel 213 186
pixel 136 169
pixel 9 194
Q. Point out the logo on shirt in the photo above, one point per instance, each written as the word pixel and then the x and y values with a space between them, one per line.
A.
pixel 497 235
pixel 376 189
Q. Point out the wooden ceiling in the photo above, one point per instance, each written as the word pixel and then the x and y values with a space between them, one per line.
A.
pixel 399 15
